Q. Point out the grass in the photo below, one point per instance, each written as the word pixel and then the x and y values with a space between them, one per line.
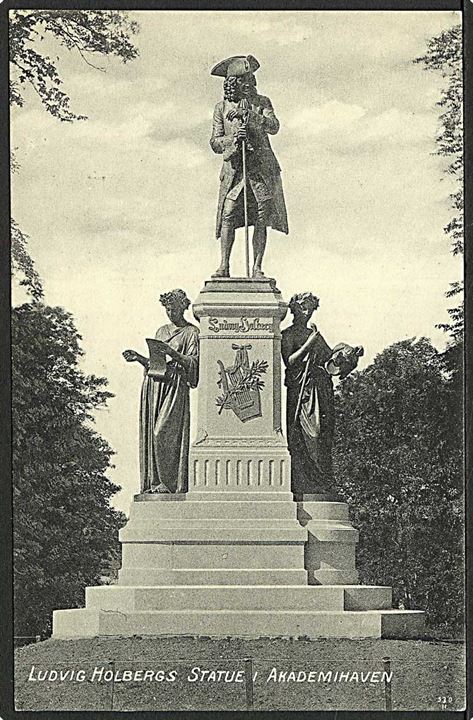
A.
pixel 425 673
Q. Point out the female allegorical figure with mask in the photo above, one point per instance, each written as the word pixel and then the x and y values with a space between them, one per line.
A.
pixel 164 412
pixel 310 412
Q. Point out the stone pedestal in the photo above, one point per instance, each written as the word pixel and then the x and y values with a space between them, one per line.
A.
pixel 239 449
pixel 236 555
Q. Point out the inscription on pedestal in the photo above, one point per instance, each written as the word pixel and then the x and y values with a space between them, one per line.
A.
pixel 241 325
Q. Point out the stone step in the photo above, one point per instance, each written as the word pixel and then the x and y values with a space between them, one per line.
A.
pixel 237 623
pixel 246 496
pixel 235 576
pixel 322 511
pixel 286 532
pixel 333 532
pixel 136 599
pixel 213 509
pixel 221 597
pixel 333 576
pixel 149 526
pixel 215 554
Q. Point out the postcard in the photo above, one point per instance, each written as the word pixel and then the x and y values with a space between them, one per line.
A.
pixel 237 359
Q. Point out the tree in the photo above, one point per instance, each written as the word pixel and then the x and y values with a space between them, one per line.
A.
pixel 87 32
pixel 444 55
pixel 398 459
pixel 65 532
pixel 22 263
pixel 64 527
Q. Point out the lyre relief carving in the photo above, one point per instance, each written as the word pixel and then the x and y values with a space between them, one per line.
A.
pixel 241 384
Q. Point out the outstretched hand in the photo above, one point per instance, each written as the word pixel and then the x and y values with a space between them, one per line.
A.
pixel 130 355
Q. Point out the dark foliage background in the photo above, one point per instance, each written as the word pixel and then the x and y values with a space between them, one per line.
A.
pixel 444 56
pixel 399 463
pixel 399 431
pixel 65 532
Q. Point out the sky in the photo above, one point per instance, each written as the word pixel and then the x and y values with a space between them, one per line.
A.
pixel 121 207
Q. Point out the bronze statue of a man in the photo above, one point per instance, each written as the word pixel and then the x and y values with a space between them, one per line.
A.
pixel 242 121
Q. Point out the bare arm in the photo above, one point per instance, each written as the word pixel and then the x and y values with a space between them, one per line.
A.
pixel 291 358
pixel 133 356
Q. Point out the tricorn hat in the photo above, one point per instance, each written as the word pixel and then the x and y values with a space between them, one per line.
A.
pixel 237 65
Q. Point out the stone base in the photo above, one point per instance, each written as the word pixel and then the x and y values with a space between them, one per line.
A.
pixel 244 611
pixel 207 531
pixel 92 622
pixel 242 598
pixel 248 565
pixel 330 550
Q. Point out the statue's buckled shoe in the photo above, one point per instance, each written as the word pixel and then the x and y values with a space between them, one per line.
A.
pixel 221 273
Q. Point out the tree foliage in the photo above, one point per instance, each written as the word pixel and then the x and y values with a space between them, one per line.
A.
pixel 398 458
pixel 23 264
pixel 89 32
pixel 65 531
pixel 444 55
pixel 64 527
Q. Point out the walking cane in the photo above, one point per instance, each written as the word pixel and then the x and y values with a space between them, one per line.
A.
pixel 244 105
pixel 245 209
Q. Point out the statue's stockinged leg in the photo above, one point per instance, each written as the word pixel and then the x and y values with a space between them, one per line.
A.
pixel 259 245
pixel 259 237
pixel 227 238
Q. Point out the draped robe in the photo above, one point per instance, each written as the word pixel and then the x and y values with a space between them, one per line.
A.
pixel 310 435
pixel 164 414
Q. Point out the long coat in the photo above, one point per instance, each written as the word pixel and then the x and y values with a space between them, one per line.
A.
pixel 261 161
